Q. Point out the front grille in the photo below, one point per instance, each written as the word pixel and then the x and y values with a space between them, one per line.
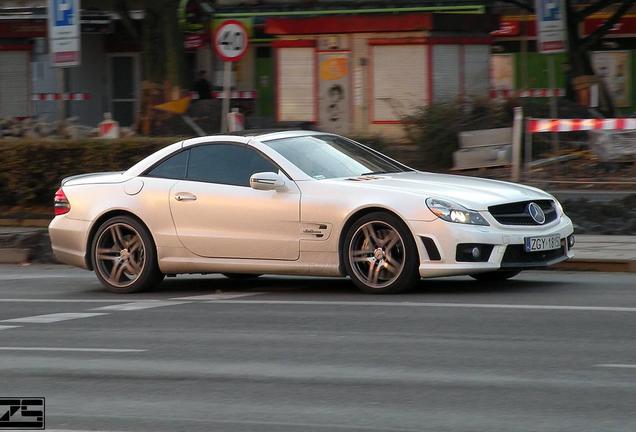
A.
pixel 516 257
pixel 517 214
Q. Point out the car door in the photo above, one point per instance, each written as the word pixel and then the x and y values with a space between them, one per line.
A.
pixel 217 214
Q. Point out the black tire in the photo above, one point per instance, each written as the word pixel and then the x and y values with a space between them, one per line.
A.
pixel 357 261
pixel 495 276
pixel 142 252
pixel 241 276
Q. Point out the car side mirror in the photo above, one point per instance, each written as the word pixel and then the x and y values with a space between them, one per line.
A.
pixel 267 181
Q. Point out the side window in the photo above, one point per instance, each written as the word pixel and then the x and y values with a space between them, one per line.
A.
pixel 172 168
pixel 228 164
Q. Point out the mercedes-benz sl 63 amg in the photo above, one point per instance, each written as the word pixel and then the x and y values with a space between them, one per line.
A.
pixel 300 203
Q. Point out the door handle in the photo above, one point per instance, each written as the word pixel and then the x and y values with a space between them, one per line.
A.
pixel 185 196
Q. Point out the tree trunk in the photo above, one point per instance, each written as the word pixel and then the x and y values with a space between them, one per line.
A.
pixel 580 65
pixel 163 59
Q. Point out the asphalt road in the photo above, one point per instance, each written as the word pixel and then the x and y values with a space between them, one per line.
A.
pixel 547 351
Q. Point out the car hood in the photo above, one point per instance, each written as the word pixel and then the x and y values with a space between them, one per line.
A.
pixel 472 192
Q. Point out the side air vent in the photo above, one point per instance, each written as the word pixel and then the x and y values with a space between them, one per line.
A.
pixel 316 231
pixel 431 249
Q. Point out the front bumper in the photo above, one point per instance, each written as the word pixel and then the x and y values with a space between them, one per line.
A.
pixel 507 246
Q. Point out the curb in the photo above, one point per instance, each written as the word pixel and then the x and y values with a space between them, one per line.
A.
pixel 26 246
pixel 14 256
pixel 597 265
pixel 34 246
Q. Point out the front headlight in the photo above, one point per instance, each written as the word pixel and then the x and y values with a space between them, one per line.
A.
pixel 453 212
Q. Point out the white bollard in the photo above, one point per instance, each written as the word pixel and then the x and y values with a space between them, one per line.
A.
pixel 109 128
pixel 235 121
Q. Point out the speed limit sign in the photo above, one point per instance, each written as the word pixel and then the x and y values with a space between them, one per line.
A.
pixel 230 40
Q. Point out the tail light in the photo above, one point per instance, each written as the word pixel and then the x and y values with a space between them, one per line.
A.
pixel 62 206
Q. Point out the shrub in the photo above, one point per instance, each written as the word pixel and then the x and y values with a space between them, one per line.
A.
pixel 32 170
pixel 434 129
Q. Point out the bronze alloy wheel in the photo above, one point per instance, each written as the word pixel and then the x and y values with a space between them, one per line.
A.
pixel 120 255
pixel 380 254
pixel 376 253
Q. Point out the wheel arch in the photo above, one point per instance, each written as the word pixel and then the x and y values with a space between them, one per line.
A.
pixel 352 218
pixel 99 221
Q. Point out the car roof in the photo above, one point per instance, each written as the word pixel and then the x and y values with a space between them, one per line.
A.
pixel 250 135
pixel 253 137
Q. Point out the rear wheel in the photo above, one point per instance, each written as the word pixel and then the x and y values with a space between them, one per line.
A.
pixel 124 256
pixel 496 276
pixel 381 255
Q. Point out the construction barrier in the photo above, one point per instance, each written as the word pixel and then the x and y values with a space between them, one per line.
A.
pixel 528 93
pixel 250 94
pixel 45 97
pixel 534 125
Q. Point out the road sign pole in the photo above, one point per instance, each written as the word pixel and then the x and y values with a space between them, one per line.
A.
pixel 60 89
pixel 225 106
pixel 553 101
pixel 517 136
pixel 230 41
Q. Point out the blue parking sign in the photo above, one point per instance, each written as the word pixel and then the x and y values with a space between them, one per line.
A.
pixel 63 12
pixel 550 10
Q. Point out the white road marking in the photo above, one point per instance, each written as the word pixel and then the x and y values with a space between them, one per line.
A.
pixel 219 296
pixel 4 327
pixel 44 300
pixel 51 318
pixel 46 276
pixel 438 305
pixel 139 305
pixel 113 350
pixel 616 365
pixel 76 430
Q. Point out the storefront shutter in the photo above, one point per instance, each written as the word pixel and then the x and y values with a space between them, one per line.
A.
pixel 477 64
pixel 296 84
pixel 446 73
pixel 399 80
pixel 14 84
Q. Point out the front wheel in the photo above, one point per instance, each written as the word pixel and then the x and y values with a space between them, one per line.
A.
pixel 380 254
pixel 124 256
pixel 496 276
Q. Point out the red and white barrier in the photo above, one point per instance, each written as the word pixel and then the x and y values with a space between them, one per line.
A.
pixel 537 92
pixel 45 97
pixel 571 125
pixel 249 94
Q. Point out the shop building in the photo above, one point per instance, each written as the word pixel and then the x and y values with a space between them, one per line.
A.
pixel 365 74
pixel 517 66
pixel 108 79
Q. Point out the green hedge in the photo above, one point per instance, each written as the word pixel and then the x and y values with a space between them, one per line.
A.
pixel 31 171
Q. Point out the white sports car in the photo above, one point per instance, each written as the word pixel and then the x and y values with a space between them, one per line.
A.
pixel 300 203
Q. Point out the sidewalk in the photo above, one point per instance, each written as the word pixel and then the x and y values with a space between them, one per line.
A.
pixel 592 252
pixel 603 253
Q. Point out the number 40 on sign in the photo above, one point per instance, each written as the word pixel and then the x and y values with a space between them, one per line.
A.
pixel 231 40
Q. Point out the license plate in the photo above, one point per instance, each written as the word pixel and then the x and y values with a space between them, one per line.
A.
pixel 536 244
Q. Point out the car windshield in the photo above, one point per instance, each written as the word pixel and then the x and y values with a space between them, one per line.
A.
pixel 331 156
